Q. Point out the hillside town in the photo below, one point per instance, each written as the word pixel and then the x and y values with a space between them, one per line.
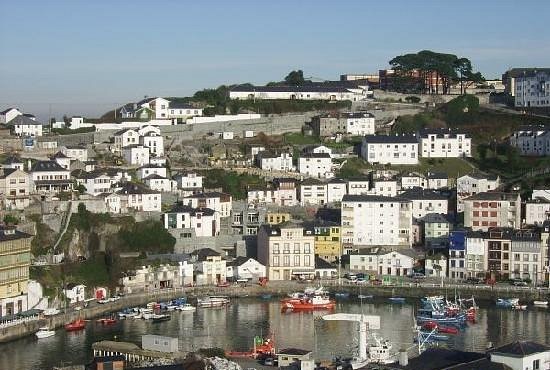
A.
pixel 382 184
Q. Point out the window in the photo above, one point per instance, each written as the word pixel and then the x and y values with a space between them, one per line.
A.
pixel 307 248
pixel 296 247
pixel 536 365
pixel 296 260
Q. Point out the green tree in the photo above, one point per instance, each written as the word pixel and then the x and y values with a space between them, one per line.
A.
pixel 295 78
pixel 11 219
pixel 482 151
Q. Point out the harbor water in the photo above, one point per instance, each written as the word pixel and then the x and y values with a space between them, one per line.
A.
pixel 233 328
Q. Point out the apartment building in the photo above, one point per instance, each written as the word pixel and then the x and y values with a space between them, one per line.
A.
pixel 398 150
pixel 336 189
pixel 210 267
pixel 457 254
pixel 219 202
pixel 532 88
pixel 537 211
pixel 358 185
pixel 102 180
pixel 351 123
pixel 371 220
pixel 499 241
pixel 526 259
pixel 328 240
pixel 270 161
pixel 198 222
pixel 15 260
pixel 282 192
pixel 477 254
pixel 316 165
pixel 138 197
pixel 313 192
pixel 472 184
pixel 444 143
pixel 15 188
pixel 425 201
pixel 287 251
pixel 531 140
pixel 492 209
pixel 49 178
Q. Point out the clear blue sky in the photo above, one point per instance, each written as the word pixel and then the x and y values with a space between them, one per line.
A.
pixel 88 56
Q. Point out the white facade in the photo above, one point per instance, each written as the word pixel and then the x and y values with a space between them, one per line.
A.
pixel 75 152
pixel 424 202
pixel 399 150
pixel 202 221
pixel 138 197
pixel 313 193
pixel 295 93
pixel 159 183
pixel 532 360
pixel 136 155
pixel 358 186
pixel 531 141
pixel 435 266
pixel 413 180
pixel 274 162
pixel 48 177
pixel 9 114
pixel 154 142
pixel 472 184
pixel 27 128
pixel 317 165
pixel 15 189
pixel 476 255
pixel 75 293
pixel 375 220
pixel 189 182
pixel 391 263
pixel 210 271
pixel 444 143
pixel 532 90
pixel 245 268
pixel 219 202
pixel 360 125
pixel 148 170
pixel 336 189
pixel 384 187
pixel 537 211
pixel 100 182
pixel 125 138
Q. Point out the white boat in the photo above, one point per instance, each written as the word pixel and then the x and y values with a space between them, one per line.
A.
pixel 186 308
pixel 44 332
pixel 51 311
pixel 213 301
pixel 519 307
pixel 145 311
pixel 540 303
pixel 379 351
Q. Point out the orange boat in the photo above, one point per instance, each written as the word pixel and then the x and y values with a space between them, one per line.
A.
pixel 262 347
pixel 107 321
pixel 75 325
pixel 316 302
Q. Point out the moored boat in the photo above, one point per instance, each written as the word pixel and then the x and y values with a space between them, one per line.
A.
pixel 160 318
pixel 44 332
pixel 186 308
pixel 365 296
pixel 107 321
pixel 396 299
pixel 262 347
pixel 540 303
pixel 317 302
pixel 78 324
pixel 213 301
pixel 507 302
pixel 519 307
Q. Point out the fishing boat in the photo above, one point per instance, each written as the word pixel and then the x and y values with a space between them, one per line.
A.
pixel 186 308
pixel 396 299
pixel 44 332
pixel 75 325
pixel 107 321
pixel 160 318
pixel 379 351
pixel 213 301
pixel 540 303
pixel 316 302
pixel 507 302
pixel 519 307
pixel 431 325
pixel 263 347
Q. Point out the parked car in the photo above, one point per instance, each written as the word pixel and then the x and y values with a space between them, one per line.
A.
pixel 417 275
pixel 269 361
pixel 473 281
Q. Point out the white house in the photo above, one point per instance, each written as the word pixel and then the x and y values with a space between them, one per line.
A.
pixel 317 149
pixel 380 261
pixel 155 143
pixel 75 152
pixel 15 189
pixel 360 124
pixel 124 138
pixel 413 180
pixel 219 202
pixel 7 115
pixel 522 355
pixel 317 165
pixel 390 149
pixel 160 183
pixel 48 177
pixel 531 140
pixel 437 180
pixel 472 184
pixel 75 293
pixel 435 265
pixel 532 89
pixel 476 254
pixel 313 192
pixel 136 155
pixel 306 92
pixel 189 183
pixel 283 193
pixel 102 180
pixel 158 106
pixel 201 221
pixel 210 268
pixel 183 110
pixel 245 268
pixel 384 187
pixel 444 143
pixel 336 189
pixel 376 220
pixel 148 170
pixel 274 162
pixel 424 202
pixel 358 186
pixel 138 197
pixel 537 210
pixel 25 125
pixel 62 160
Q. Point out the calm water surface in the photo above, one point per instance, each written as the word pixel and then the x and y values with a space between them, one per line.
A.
pixel 233 328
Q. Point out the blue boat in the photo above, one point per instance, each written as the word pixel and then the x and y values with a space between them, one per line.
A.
pixel 396 299
pixel 507 302
pixel 457 320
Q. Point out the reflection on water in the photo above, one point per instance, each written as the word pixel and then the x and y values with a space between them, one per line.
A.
pixel 234 327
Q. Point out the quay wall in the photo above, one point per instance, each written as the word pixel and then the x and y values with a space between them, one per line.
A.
pixel 407 290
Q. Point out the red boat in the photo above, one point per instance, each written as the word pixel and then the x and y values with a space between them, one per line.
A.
pixel 431 325
pixel 107 321
pixel 75 325
pixel 317 302
pixel 262 347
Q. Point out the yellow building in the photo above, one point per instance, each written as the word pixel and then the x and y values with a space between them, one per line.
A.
pixel 15 259
pixel 328 240
pixel 275 218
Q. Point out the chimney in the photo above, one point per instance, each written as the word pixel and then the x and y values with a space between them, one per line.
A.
pixel 403 357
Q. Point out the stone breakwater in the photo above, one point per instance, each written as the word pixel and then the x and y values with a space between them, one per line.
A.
pixel 94 310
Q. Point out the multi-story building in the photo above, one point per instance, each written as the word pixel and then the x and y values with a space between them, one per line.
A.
pixel 136 155
pixel 9 114
pixel 424 202
pixel 48 177
pixel 437 180
pixel 472 184
pixel 210 267
pixel 282 192
pixel 390 149
pixel 413 180
pixel 154 142
pixel 270 161
pixel 15 260
pixel 102 180
pixel 526 258
pixel 499 243
pixel 444 143
pixel 328 240
pixel 159 183
pixel 531 140
pixel 136 196
pixel 532 89
pixel 219 202
pixel 15 188
pixel 148 170
pixel 336 189
pixel 287 251
pixel 358 185
pixel 477 254
pixel 197 221
pixel 457 254
pixel 189 183
pixel 75 152
pixel 436 228
pixel 386 187
pixel 313 192
pixel 492 209
pixel 275 218
pixel 152 278
pixel 355 124
pixel 183 111
pixel 435 265
pixel 246 220
pixel 381 261
pixel 537 211
pixel 317 165
pixel 245 268
pixel 26 125
pixel 370 220
pixel 124 138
